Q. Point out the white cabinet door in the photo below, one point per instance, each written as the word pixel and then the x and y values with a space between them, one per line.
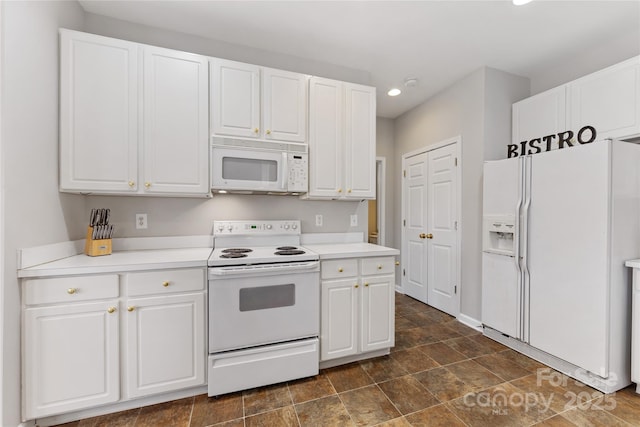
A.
pixel 377 313
pixel 98 113
pixel 71 357
pixel 540 115
pixel 164 344
pixel 608 100
pixel 284 105
pixel 339 325
pixel 176 122
pixel 235 98
pixel 360 142
pixel 325 137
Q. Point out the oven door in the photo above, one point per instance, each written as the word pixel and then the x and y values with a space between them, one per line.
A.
pixel 248 169
pixel 255 305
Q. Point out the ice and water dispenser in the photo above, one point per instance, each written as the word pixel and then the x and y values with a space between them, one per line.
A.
pixel 499 234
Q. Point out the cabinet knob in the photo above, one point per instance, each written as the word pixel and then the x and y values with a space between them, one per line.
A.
pixel 131 308
pixel 256 130
pixel 366 284
pixel 71 291
pixel 429 236
pixel 340 270
pixel 339 190
pixel 356 286
pixel 111 310
pixel 397 262
pixel 379 267
pixel 147 184
pixel 349 191
pixel 165 284
pixel 131 183
pixel 422 235
pixel 268 132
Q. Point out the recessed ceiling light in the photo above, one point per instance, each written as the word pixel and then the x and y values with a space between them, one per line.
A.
pixel 520 2
pixel 394 92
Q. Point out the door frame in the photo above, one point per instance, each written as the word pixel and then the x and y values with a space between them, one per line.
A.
pixel 457 140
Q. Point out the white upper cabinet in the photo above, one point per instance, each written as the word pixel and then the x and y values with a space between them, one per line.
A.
pixel 98 113
pixel 133 119
pixel 176 122
pixel 608 100
pixel 540 115
pixel 342 140
pixel 254 102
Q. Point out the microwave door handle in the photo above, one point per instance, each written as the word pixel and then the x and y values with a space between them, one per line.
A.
pixel 284 172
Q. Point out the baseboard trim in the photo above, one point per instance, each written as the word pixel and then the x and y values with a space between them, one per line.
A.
pixel 399 289
pixel 470 322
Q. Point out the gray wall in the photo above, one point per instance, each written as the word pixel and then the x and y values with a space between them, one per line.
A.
pixel 385 147
pixel 34 212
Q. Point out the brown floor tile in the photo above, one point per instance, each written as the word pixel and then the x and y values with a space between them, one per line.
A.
pixel 503 405
pixel 407 394
pixel 436 416
pixel 414 360
pixel 311 388
pixel 469 347
pixel 554 396
pixel 522 360
pixel 624 404
pixel 368 406
pixel 383 368
pixel 171 414
pixel 215 410
pixel 502 366
pixel 556 421
pixel 443 384
pixel 328 411
pixel 233 423
pixel 442 353
pixel 396 422
pixel 403 323
pixel 473 374
pixel 436 333
pixel 591 417
pixel 283 417
pixel 266 399
pixel 119 419
pixel 488 342
pixel 460 328
pixel 348 377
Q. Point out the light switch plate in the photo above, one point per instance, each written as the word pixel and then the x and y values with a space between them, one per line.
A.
pixel 318 220
pixel 141 221
pixel 354 220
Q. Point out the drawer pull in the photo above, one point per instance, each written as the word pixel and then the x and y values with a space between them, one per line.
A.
pixel 165 284
pixel 340 270
pixel 356 286
pixel 111 310
pixel 72 291
pixel 131 308
pixel 379 267
pixel 366 284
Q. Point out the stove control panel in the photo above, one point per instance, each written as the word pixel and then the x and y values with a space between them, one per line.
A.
pixel 256 228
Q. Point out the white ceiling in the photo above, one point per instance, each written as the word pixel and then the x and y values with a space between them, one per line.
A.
pixel 437 42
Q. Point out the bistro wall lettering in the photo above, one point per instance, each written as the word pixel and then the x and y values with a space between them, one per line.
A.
pixel 585 135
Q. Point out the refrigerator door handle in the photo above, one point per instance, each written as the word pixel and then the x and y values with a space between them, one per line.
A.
pixel 524 244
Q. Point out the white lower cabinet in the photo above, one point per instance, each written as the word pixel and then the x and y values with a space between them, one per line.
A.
pixel 100 339
pixel 357 307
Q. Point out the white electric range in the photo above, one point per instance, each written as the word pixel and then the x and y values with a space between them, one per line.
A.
pixel 264 305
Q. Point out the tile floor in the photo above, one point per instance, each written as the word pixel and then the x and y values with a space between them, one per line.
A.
pixel 441 373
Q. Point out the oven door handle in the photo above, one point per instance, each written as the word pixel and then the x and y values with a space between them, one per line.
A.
pixel 263 268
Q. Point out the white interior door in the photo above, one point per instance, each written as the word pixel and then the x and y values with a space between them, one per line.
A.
pixel 442 245
pixel 430 238
pixel 414 278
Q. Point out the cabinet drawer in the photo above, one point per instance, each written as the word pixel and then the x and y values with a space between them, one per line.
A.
pixel 339 268
pixel 166 281
pixel 70 289
pixel 378 265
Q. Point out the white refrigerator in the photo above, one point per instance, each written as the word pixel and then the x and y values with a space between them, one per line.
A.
pixel 557 229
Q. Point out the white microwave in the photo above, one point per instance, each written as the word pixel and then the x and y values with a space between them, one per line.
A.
pixel 258 167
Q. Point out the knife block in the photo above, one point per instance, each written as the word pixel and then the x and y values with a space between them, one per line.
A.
pixel 96 247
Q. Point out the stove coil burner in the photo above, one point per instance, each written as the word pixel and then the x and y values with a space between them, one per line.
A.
pixel 290 252
pixel 235 253
pixel 287 248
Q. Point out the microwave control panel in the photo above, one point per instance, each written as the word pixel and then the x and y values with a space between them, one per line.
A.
pixel 298 165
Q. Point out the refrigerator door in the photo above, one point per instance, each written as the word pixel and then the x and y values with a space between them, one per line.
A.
pixel 501 275
pixel 501 294
pixel 567 254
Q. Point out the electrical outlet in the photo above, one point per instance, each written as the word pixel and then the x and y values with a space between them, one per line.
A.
pixel 354 220
pixel 318 220
pixel 141 221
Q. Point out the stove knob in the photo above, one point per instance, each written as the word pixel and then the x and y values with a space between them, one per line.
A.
pixel 220 227
pixel 294 226
pixel 286 226
pixel 268 226
pixel 229 227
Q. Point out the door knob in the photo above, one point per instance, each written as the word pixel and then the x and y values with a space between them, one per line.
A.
pixel 429 236
pixel 422 235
